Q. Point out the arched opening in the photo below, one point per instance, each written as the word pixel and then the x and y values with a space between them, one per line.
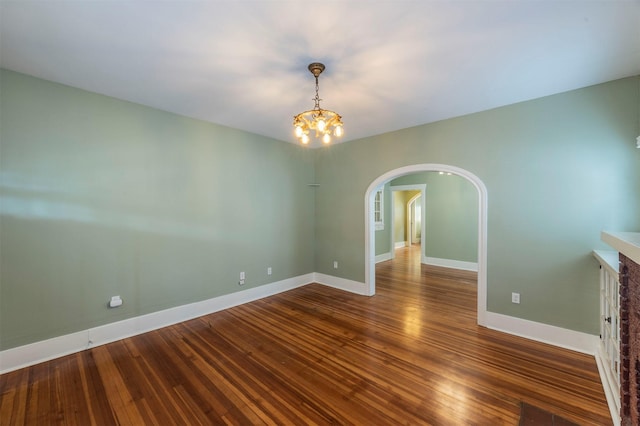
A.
pixel 370 272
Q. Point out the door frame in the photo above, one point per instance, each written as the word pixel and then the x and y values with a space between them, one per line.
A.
pixel 369 261
pixel 422 187
pixel 411 209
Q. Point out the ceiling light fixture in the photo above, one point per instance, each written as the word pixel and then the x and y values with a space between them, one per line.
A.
pixel 323 121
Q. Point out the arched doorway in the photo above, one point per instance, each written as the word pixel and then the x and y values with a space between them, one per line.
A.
pixel 482 226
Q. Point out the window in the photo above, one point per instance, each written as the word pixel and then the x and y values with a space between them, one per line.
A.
pixel 378 209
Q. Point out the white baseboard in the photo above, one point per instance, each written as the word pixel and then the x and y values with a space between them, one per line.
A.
pixel 561 337
pixel 34 353
pixel 400 244
pixel 451 263
pixel 342 284
pixel 383 257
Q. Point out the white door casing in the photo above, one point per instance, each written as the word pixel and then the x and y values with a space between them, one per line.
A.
pixel 413 218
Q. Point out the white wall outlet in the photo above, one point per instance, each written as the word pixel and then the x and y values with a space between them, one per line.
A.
pixel 269 270
pixel 515 297
pixel 115 302
pixel 335 264
pixel 242 275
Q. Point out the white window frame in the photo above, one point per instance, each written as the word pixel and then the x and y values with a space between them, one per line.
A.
pixel 378 209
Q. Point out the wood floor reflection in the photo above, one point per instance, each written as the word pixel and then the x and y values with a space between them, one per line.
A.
pixel 411 354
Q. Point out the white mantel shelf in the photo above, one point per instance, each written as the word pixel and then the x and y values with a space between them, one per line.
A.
pixel 627 243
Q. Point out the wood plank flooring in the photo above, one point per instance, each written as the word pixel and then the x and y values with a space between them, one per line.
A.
pixel 412 354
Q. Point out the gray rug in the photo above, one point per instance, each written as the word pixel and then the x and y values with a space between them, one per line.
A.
pixel 534 416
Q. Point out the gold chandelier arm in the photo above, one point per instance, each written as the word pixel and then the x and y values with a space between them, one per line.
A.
pixel 308 121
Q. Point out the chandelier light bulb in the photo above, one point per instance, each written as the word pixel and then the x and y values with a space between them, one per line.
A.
pixel 326 138
pixel 338 131
pixel 321 124
pixel 299 131
pixel 304 139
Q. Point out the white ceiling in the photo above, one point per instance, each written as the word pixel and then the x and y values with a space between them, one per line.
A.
pixel 390 64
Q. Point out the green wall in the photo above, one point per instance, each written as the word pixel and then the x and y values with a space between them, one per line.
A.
pixel 558 170
pixel 100 197
pixel 450 230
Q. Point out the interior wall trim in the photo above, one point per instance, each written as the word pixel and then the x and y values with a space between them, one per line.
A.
pixel 550 334
pixel 451 263
pixel 383 257
pixel 34 353
pixel 342 284
pixel 45 350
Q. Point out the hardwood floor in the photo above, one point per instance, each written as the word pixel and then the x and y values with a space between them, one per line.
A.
pixel 412 354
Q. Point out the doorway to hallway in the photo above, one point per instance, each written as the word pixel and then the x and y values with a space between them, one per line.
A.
pixel 370 257
pixel 407 217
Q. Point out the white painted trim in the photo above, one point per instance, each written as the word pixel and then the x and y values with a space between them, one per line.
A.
pixel 400 244
pixel 369 233
pixel 411 187
pixel 627 243
pixel 561 337
pixel 45 350
pixel 610 260
pixel 341 283
pixel 410 239
pixel 612 395
pixel 383 257
pixel 34 353
pixel 451 263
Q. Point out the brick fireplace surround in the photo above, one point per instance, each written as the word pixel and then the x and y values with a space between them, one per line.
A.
pixel 629 342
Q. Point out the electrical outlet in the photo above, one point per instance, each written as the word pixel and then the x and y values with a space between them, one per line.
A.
pixel 115 302
pixel 515 297
pixel 242 275
pixel 335 264
pixel 269 270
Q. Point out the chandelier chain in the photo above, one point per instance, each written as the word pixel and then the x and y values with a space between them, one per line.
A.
pixel 317 98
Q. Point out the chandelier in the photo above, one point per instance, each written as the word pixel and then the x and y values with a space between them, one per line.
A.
pixel 322 121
